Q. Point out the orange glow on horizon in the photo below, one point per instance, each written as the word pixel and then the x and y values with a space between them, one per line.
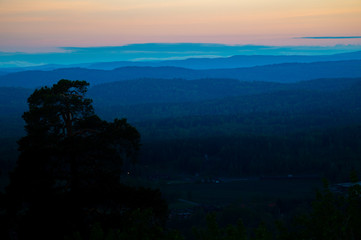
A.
pixel 112 22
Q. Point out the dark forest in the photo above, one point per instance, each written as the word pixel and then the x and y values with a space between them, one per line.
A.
pixel 263 153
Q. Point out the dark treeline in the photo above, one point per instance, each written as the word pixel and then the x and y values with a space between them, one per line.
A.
pixel 225 119
pixel 309 127
pixel 158 99
pixel 331 154
pixel 149 91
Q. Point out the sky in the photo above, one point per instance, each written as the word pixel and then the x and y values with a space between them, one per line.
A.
pixel 44 25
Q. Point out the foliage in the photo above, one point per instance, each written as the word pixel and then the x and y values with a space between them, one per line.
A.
pixel 331 153
pixel 334 215
pixel 67 176
pixel 231 232
pixel 214 232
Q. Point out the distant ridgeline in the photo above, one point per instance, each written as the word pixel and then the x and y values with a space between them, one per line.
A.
pixel 302 117
pixel 282 73
pixel 237 61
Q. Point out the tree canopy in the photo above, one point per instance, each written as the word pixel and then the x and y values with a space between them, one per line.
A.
pixel 67 176
pixel 68 142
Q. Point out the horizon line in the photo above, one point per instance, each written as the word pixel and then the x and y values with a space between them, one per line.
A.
pixel 329 37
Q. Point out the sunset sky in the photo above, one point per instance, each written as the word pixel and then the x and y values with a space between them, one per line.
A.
pixel 36 25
